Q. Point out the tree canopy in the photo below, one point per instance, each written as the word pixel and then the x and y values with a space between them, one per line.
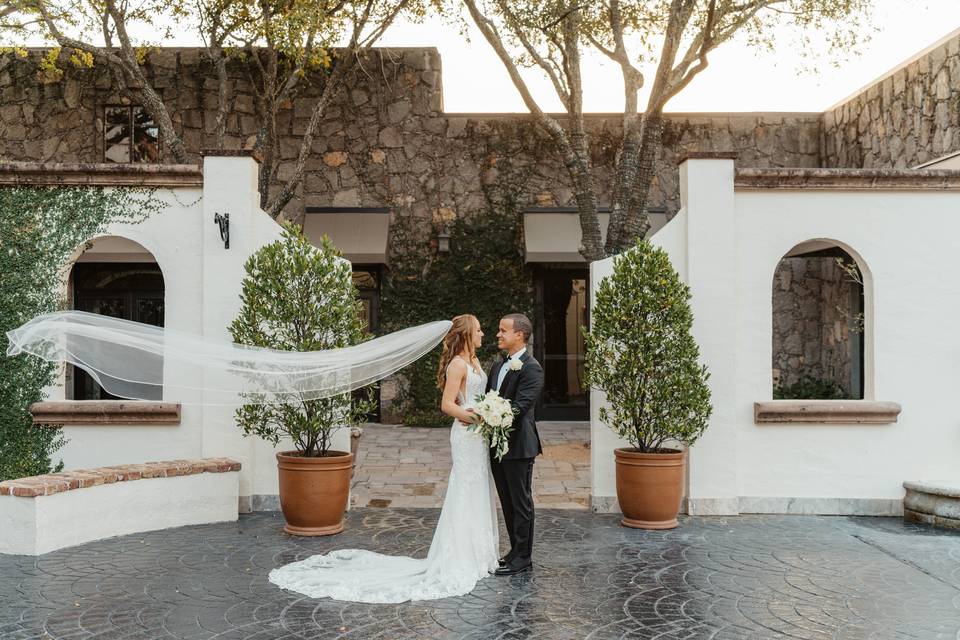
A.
pixel 661 43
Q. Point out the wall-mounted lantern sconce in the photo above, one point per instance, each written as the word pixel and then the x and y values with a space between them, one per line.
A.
pixel 443 240
pixel 222 220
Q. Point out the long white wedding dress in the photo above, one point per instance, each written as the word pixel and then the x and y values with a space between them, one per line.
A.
pixel 464 549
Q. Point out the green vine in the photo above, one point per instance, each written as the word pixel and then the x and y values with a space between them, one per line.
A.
pixel 40 229
pixel 483 274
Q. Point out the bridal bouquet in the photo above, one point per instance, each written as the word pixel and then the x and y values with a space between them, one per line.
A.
pixel 496 421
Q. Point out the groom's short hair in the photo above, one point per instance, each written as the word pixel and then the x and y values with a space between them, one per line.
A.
pixel 522 324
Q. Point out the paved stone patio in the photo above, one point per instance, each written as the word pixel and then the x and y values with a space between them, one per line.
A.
pixel 722 578
pixel 408 466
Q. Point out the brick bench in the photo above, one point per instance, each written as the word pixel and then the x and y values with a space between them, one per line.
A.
pixel 934 503
pixel 44 513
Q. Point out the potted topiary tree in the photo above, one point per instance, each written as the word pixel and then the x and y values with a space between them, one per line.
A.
pixel 639 351
pixel 299 297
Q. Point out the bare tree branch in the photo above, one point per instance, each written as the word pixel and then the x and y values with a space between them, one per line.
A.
pixel 577 164
pixel 549 67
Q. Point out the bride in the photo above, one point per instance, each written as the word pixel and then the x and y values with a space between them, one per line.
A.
pixel 465 543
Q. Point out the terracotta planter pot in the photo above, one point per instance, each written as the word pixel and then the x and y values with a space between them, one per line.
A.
pixel 650 487
pixel 314 492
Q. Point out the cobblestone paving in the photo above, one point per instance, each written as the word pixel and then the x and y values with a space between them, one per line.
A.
pixel 408 466
pixel 721 578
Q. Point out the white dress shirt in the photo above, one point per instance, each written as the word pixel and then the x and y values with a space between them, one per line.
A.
pixel 506 367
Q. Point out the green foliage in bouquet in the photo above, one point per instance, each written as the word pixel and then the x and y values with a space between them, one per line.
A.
pixel 641 354
pixel 298 297
pixel 40 230
pixel 496 422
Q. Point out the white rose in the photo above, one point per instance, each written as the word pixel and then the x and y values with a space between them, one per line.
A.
pixel 516 365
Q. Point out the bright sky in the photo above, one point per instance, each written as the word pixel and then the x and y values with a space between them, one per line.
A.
pixel 738 79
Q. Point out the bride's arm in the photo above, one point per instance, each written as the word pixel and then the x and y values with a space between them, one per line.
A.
pixel 456 373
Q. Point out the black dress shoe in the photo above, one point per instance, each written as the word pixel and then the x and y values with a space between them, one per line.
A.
pixel 512 568
pixel 504 561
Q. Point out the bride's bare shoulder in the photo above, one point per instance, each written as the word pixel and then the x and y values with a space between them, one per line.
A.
pixel 457 365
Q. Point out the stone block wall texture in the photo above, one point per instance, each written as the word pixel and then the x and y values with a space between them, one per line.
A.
pixel 384 142
pixel 813 313
pixel 908 117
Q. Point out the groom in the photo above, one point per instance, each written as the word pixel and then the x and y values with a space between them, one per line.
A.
pixel 518 378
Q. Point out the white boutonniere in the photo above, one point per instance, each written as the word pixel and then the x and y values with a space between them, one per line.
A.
pixel 516 365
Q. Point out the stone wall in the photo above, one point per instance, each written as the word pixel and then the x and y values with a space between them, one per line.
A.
pixel 384 142
pixel 908 117
pixel 813 314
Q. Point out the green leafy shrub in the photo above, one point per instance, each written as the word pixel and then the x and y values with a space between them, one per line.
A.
pixel 640 352
pixel 484 274
pixel 40 229
pixel 297 297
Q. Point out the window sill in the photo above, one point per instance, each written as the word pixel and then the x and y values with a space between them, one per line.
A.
pixel 825 412
pixel 104 412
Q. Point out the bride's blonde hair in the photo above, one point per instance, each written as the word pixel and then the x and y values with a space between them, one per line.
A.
pixel 459 336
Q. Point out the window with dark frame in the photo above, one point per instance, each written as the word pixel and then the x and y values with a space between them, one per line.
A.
pixel 129 135
pixel 128 290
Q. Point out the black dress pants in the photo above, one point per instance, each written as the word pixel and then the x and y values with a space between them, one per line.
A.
pixel 514 480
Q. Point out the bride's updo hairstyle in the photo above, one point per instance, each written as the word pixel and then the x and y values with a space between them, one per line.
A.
pixel 459 336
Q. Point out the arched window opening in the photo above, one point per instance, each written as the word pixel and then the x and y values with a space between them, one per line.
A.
pixel 118 278
pixel 818 324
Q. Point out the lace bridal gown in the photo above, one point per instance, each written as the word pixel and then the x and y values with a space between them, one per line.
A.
pixel 464 548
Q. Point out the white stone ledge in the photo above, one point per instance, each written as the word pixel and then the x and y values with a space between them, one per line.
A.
pixel 936 503
pixel 100 412
pixel 822 506
pixel 713 506
pixel 774 506
pixel 604 504
pixel 41 524
pixel 825 412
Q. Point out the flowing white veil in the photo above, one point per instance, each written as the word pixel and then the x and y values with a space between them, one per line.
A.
pixel 128 360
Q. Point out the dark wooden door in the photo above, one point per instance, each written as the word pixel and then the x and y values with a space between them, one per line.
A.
pixel 131 291
pixel 563 298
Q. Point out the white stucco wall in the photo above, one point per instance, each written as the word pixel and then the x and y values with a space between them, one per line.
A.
pixel 33 526
pixel 726 244
pixel 906 244
pixel 174 238
pixel 202 283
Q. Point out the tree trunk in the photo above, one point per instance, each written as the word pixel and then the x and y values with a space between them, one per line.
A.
pixel 626 167
pixel 267 107
pixel 223 105
pixel 330 89
pixel 580 170
pixel 158 111
pixel 636 222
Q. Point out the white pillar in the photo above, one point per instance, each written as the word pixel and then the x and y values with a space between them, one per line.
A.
pixel 603 441
pixel 706 193
pixel 229 187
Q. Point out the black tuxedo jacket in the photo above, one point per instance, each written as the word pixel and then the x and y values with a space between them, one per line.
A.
pixel 522 388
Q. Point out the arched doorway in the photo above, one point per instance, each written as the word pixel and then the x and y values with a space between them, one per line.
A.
pixel 115 277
